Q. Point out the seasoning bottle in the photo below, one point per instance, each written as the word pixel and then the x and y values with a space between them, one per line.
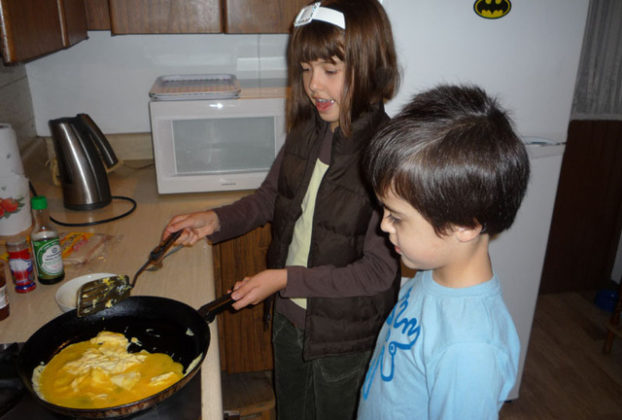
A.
pixel 4 294
pixel 20 262
pixel 46 250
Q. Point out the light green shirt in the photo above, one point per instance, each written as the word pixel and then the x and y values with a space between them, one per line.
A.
pixel 298 253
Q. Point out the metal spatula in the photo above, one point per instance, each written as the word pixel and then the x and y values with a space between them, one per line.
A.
pixel 103 293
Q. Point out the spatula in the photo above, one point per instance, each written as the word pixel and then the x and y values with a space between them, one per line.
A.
pixel 103 293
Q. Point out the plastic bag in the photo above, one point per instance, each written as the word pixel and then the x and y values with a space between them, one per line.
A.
pixel 81 247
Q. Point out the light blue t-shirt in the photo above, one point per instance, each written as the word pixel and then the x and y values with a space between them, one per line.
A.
pixel 443 353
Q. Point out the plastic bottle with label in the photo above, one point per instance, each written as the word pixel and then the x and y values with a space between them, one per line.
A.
pixel 46 250
pixel 20 263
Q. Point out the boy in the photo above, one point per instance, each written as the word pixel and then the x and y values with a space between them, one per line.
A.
pixel 450 173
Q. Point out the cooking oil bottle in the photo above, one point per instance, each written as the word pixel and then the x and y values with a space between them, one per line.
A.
pixel 46 250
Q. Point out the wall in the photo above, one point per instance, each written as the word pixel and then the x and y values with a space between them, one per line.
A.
pixel 16 105
pixel 587 216
pixel 528 58
pixel 109 77
pixel 598 92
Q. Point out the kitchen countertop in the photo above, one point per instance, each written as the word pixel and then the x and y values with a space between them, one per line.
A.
pixel 186 275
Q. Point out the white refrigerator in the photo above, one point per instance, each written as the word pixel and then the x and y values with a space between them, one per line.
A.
pixel 528 59
pixel 518 254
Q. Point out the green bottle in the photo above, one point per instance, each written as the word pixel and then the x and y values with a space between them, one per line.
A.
pixel 46 250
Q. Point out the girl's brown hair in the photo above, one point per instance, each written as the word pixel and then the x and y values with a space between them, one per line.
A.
pixel 366 47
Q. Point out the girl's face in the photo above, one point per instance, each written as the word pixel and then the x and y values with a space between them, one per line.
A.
pixel 323 83
pixel 413 236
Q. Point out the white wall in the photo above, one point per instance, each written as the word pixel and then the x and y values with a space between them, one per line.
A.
pixel 109 77
pixel 528 58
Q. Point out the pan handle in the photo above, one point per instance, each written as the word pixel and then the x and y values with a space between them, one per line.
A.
pixel 210 310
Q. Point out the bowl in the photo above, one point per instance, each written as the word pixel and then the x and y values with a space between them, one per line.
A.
pixel 67 294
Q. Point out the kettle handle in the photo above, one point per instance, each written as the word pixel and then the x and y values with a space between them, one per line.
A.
pixel 102 144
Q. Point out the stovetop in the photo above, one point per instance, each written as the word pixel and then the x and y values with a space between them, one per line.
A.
pixel 16 403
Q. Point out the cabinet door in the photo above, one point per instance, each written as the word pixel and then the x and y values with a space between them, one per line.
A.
pixel 97 15
pixel 32 28
pixel 164 16
pixel 245 342
pixel 260 16
pixel 29 29
pixel 72 21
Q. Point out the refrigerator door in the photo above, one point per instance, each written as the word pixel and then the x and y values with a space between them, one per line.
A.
pixel 518 253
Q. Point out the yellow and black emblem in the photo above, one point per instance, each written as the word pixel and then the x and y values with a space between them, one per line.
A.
pixel 492 9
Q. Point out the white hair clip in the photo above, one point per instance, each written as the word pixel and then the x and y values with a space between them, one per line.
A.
pixel 316 12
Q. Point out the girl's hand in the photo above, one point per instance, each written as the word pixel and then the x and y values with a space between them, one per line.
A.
pixel 195 225
pixel 255 289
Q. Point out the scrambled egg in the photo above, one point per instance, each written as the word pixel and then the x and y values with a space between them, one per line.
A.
pixel 100 373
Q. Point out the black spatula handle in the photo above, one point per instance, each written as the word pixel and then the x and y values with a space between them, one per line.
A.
pixel 156 255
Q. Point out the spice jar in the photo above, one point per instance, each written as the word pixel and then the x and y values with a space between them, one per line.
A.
pixel 4 294
pixel 20 262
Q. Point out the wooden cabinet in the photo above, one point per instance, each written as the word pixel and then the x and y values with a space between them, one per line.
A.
pixel 32 28
pixel 72 16
pixel 260 16
pixel 97 15
pixel 192 16
pixel 164 16
pixel 244 339
pixel 587 217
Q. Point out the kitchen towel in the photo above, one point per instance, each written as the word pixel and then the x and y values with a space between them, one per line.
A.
pixel 15 215
pixel 10 159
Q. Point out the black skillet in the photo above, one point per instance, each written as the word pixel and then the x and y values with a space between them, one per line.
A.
pixel 160 324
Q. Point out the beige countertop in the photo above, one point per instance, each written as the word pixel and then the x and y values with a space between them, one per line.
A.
pixel 186 275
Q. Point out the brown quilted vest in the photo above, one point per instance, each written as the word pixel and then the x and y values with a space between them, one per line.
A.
pixel 344 206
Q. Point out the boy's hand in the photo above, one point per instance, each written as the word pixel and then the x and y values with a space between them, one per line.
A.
pixel 255 289
pixel 195 225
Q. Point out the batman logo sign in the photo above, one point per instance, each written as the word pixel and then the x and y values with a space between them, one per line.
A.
pixel 492 9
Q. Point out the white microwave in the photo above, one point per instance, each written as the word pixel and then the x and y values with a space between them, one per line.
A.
pixel 215 145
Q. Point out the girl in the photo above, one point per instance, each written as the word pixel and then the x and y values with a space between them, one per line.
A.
pixel 335 276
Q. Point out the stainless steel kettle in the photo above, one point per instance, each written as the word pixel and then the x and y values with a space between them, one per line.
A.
pixel 81 151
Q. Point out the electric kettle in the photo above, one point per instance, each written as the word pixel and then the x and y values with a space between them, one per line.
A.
pixel 81 151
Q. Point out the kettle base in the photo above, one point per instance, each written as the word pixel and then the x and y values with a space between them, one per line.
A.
pixel 83 207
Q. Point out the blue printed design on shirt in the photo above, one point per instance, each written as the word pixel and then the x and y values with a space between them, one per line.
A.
pixel 405 332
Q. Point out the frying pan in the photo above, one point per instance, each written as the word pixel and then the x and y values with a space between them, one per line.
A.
pixel 160 324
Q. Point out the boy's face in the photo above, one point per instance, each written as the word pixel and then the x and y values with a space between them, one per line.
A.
pixel 413 236
pixel 323 83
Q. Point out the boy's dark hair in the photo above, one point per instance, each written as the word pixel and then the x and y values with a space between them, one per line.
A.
pixel 365 46
pixel 453 155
